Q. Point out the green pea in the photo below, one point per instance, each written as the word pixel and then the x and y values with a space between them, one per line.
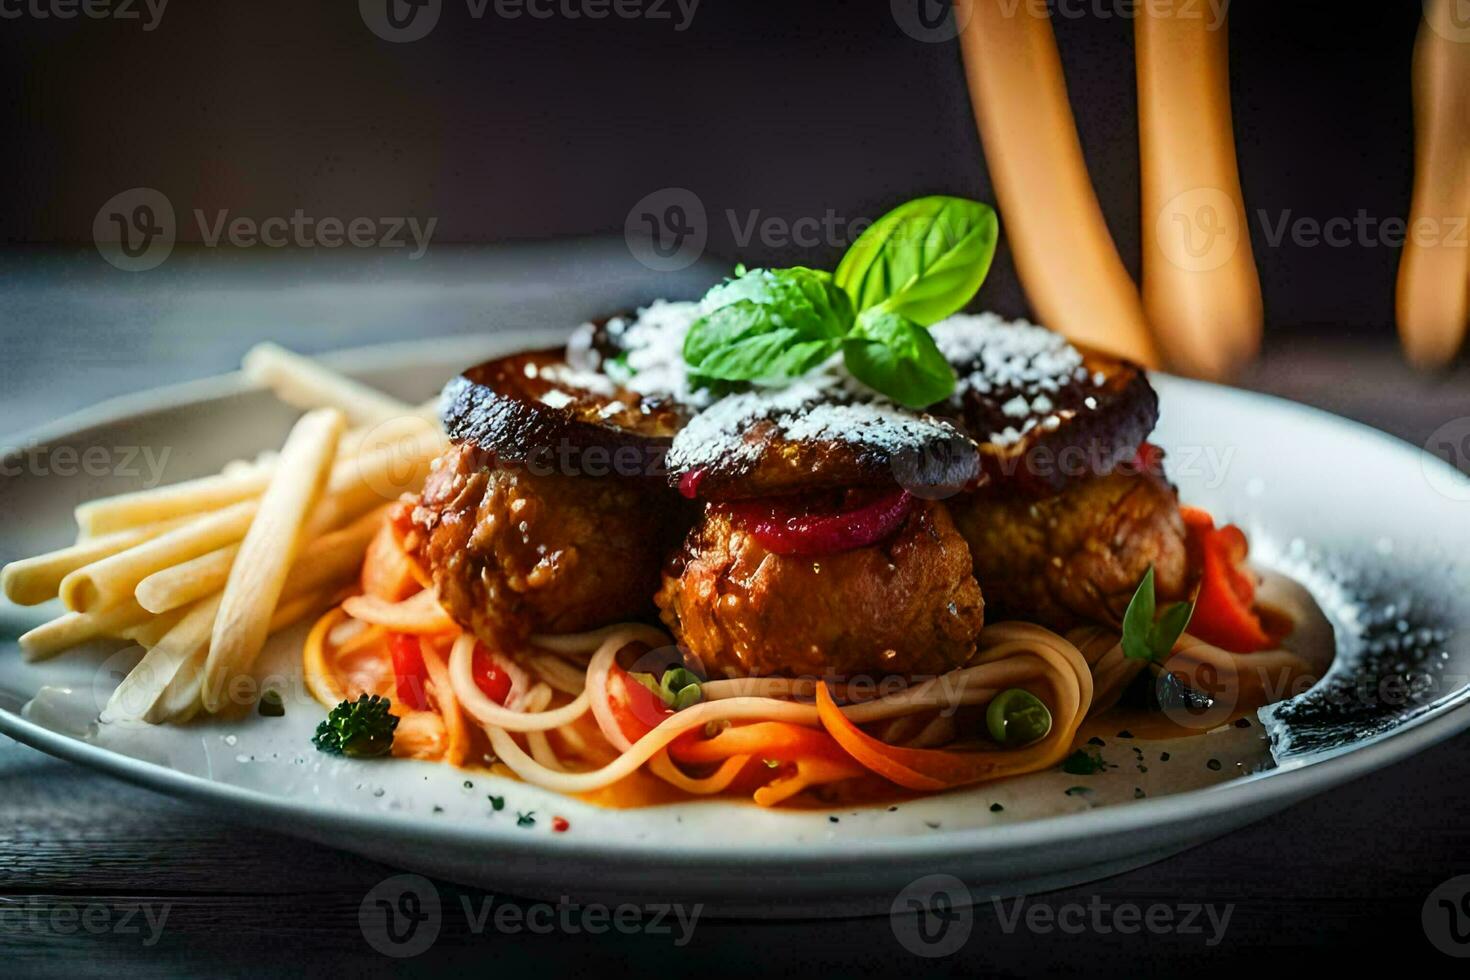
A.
pixel 1016 717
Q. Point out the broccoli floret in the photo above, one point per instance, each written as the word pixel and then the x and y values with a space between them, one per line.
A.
pixel 359 729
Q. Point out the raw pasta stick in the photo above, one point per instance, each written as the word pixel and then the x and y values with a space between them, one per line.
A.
pixel 31 581
pixel 74 629
pixel 327 559
pixel 1068 264
pixel 178 500
pixel 304 383
pixel 136 696
pixel 181 698
pixel 269 547
pixel 1433 304
pixel 114 578
pixel 1200 286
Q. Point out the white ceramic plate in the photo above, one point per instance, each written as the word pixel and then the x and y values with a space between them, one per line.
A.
pixel 1377 531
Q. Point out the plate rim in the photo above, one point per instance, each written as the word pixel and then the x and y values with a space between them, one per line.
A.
pixel 1259 791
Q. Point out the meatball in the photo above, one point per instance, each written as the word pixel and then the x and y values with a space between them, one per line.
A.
pixel 1078 555
pixel 908 605
pixel 514 553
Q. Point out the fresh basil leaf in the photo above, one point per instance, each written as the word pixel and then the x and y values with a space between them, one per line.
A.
pixel 1170 628
pixel 923 260
pixel 898 358
pixel 767 325
pixel 1138 620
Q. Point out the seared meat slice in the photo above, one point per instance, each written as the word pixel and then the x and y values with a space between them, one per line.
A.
pixel 1076 556
pixel 906 606
pixel 816 435
pixel 1044 411
pixel 513 552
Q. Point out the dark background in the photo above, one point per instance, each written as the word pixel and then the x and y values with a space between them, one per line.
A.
pixel 506 130
pixel 552 130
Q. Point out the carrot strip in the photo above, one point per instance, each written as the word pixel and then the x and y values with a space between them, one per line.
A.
pixel 456 732
pixel 387 571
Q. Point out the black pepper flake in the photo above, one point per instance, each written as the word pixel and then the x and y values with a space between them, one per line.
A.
pixel 1142 767
pixel 1163 757
pixel 996 808
pixel 932 824
pixel 1096 741
pixel 1125 733
pixel 1242 723
pixel 831 819
pixel 1213 764
pixel 468 784
pixel 438 808
pixel 892 809
pixel 1078 791
pixel 1138 793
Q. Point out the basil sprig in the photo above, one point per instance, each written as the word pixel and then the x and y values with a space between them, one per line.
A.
pixel 1147 639
pixel 916 265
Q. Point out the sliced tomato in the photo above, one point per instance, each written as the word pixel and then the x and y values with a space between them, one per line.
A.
pixel 490 677
pixel 635 709
pixel 410 675
pixel 1224 612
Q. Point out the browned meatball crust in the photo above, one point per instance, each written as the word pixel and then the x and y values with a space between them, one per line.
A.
pixel 1076 556
pixel 514 553
pixel 907 606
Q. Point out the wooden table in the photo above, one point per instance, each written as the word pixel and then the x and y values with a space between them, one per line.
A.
pixel 85 861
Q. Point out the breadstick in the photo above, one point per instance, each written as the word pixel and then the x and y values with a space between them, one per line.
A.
pixel 1200 286
pixel 1066 259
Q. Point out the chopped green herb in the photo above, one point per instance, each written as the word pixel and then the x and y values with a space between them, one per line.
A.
pixel 771 763
pixel 360 729
pixel 1083 763
pixel 497 803
pixel 271 705
pixel 527 819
